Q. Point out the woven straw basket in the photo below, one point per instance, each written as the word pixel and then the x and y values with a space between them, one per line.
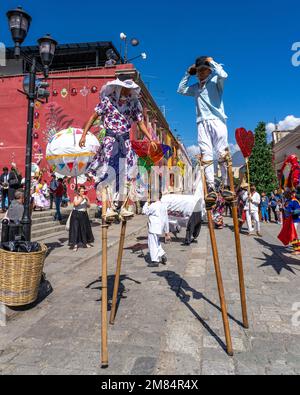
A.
pixel 20 276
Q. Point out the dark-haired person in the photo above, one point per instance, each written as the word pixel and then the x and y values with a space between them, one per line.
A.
pixel 59 193
pixel 4 178
pixel 80 233
pixel 211 118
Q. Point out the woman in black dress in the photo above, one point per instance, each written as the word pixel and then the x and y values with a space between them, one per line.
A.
pixel 80 227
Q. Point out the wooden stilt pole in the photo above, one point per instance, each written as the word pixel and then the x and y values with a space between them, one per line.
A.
pixel 119 265
pixel 218 271
pixel 104 303
pixel 238 247
pixel 118 273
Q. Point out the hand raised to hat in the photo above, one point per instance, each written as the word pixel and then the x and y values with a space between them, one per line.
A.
pixel 192 70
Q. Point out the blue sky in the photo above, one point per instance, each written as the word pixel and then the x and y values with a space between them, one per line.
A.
pixel 253 40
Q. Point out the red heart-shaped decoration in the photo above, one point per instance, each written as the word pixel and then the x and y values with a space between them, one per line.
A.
pixel 246 141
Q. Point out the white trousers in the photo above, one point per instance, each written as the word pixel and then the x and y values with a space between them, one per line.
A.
pixel 213 138
pixel 155 248
pixel 255 217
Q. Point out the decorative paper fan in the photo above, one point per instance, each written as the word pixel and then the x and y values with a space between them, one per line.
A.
pixel 146 151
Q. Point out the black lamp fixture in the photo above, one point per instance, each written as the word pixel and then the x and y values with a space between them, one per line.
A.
pixel 19 24
pixel 47 47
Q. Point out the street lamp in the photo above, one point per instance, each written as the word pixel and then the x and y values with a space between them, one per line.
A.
pixel 135 43
pixel 142 55
pixel 47 47
pixel 19 23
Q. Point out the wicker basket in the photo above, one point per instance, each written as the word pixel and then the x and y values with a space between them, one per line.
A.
pixel 20 276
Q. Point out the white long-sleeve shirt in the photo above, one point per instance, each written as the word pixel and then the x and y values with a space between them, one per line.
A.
pixel 256 200
pixel 158 220
pixel 209 98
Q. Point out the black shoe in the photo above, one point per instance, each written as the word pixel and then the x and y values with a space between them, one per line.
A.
pixel 153 264
pixel 195 241
pixel 164 260
pixel 186 244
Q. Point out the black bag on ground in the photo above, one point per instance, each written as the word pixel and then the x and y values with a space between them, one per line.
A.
pixel 21 246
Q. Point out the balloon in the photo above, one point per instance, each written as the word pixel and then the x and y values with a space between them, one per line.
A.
pixel 64 154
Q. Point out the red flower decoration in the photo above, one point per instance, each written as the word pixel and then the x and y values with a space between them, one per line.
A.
pixel 74 92
pixel 94 89
pixel 55 92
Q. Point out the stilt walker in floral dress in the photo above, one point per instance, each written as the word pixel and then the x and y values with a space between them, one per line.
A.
pixel 119 109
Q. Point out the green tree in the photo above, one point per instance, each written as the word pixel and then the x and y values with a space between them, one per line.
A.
pixel 262 173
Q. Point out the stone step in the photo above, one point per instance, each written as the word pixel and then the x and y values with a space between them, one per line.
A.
pixel 56 234
pixel 46 233
pixel 43 220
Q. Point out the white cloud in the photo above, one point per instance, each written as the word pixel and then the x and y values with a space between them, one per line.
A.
pixel 289 123
pixel 234 148
pixel 193 150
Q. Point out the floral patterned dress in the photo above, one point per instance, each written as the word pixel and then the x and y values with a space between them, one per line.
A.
pixel 117 118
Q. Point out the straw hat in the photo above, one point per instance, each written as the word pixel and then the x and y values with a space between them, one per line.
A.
pixel 116 87
pixel 245 185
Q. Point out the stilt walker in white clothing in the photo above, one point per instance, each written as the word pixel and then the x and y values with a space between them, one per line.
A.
pixel 211 119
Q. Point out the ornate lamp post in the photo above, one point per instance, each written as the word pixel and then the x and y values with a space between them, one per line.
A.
pixel 19 23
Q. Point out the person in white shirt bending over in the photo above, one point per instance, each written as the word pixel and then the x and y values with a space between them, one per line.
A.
pixel 158 225
pixel 252 210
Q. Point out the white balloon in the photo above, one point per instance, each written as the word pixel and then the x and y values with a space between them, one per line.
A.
pixel 66 157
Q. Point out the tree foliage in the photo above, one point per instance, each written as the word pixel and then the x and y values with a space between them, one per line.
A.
pixel 262 172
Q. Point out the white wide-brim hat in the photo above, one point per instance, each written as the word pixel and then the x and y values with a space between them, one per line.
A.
pixel 117 85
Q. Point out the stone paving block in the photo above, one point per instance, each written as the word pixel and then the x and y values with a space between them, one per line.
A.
pixel 184 339
pixel 280 368
pixel 144 366
pixel 217 368
pixel 177 364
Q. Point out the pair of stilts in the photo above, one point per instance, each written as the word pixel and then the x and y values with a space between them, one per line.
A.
pixel 104 324
pixel 234 203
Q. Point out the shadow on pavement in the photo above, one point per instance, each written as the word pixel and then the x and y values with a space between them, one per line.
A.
pixel 180 287
pixel 110 283
pixel 45 290
pixel 277 260
pixel 54 246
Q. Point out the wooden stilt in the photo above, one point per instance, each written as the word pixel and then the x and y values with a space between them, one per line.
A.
pixel 118 273
pixel 238 247
pixel 119 264
pixel 218 272
pixel 104 303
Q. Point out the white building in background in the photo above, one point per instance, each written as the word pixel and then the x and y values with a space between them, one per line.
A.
pixel 285 143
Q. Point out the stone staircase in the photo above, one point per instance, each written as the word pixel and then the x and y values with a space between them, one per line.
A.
pixel 44 226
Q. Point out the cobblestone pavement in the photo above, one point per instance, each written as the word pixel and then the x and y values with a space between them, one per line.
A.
pixel 168 320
